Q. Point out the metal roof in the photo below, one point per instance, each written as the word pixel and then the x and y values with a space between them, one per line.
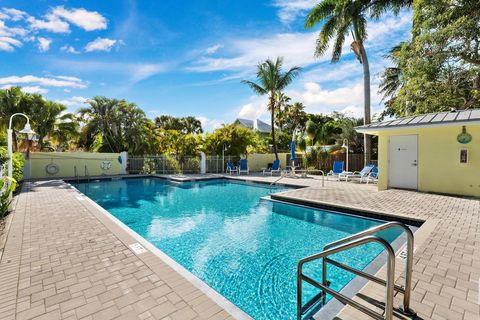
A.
pixel 261 126
pixel 457 117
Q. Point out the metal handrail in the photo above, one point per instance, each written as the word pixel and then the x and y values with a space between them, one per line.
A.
pixel 408 260
pixel 274 182
pixel 342 298
pixel 347 243
pixel 75 174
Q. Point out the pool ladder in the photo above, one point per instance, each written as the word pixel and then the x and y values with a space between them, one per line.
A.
pixel 86 174
pixel 347 243
pixel 75 173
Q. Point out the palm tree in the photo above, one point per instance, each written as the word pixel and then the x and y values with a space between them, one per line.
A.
pixel 271 79
pixel 341 18
pixel 101 120
pixel 391 80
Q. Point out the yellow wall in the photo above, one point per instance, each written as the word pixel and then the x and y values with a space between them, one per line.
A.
pixel 439 168
pixel 66 161
pixel 259 161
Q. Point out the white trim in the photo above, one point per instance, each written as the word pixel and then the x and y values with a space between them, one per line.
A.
pixel 223 302
pixel 374 130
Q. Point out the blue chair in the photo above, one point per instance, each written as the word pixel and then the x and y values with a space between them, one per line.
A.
pixel 243 166
pixel 274 169
pixel 231 168
pixel 337 170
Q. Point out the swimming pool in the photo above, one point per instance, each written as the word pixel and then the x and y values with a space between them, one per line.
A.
pixel 244 247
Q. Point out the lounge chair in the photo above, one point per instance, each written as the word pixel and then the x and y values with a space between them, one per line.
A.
pixel 356 174
pixel 371 177
pixel 243 166
pixel 274 169
pixel 337 170
pixel 231 168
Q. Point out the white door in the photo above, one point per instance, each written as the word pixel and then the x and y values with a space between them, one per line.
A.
pixel 403 161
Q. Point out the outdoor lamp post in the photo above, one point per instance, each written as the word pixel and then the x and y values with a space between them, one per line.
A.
pixel 345 145
pixel 27 130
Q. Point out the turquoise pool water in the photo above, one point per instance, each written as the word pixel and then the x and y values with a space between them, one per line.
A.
pixel 245 248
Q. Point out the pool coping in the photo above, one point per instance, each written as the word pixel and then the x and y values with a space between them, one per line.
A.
pixel 375 214
pixel 333 307
pixel 216 297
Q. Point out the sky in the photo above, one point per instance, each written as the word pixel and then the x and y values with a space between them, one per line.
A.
pixel 183 57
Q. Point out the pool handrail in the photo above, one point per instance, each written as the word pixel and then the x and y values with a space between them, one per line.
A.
pixel 357 237
pixel 342 298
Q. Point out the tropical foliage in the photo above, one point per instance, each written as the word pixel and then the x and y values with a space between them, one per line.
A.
pixel 439 68
pixel 271 81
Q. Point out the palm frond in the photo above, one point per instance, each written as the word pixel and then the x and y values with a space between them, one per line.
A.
pixel 320 12
pixel 255 87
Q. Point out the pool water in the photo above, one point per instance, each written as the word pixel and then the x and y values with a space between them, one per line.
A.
pixel 244 247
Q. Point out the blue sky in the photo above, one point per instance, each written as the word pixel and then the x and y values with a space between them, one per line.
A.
pixel 181 57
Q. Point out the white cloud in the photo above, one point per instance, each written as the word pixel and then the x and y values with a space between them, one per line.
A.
pixel 13 14
pixel 11 31
pixel 51 23
pixel 291 9
pixel 28 89
pixel 144 71
pixel 321 100
pixel 9 44
pixel 43 44
pixel 249 52
pixel 69 49
pixel 100 44
pixel 297 48
pixel 87 20
pixel 209 125
pixel 129 71
pixel 73 102
pixel 213 49
pixel 44 81
pixel 255 108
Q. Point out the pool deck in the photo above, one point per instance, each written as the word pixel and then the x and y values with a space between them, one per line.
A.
pixel 66 258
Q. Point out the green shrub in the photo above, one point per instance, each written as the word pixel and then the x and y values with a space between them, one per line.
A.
pixel 191 165
pixel 172 164
pixel 5 191
pixel 18 162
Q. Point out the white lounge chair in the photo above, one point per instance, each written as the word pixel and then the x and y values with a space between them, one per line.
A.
pixel 243 166
pixel 274 169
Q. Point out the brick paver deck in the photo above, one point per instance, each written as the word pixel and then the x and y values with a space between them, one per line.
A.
pixel 65 259
pixel 446 269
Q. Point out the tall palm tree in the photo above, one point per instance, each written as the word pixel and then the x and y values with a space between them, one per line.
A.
pixel 271 79
pixel 342 17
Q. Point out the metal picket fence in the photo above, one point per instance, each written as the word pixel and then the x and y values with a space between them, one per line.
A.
pixel 217 164
pixel 162 164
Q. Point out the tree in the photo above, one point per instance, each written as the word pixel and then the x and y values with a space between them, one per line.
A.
pixel 271 80
pixel 184 124
pixel 440 66
pixel 343 17
pixel 113 125
pixel 44 115
pixel 392 78
pixel 236 140
pixel 10 103
pixel 282 102
pixel 295 116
